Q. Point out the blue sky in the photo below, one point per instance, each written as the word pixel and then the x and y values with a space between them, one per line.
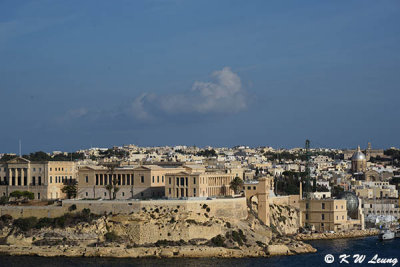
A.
pixel 75 74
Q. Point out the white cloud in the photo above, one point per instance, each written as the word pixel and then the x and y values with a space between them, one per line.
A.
pixel 222 95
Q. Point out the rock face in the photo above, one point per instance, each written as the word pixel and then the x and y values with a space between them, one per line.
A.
pixel 351 234
pixel 284 219
pixel 162 232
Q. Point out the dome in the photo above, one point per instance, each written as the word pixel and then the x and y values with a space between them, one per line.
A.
pixel 351 203
pixel 358 155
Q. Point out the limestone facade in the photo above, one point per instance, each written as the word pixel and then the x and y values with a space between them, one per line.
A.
pixel 44 179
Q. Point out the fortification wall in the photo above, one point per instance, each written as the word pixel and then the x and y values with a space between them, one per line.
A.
pixel 291 200
pixel 235 208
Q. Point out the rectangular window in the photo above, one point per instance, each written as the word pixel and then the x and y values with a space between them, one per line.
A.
pixel 40 181
pixel 177 181
pixel 194 180
pixel 194 191
pixel 182 181
pixel 169 191
pixel 158 179
pixel 142 179
pixel 162 179
pixel 153 179
pixel 38 195
pixel 323 216
pixel 34 180
pixel 86 193
pixel 323 206
pixel 128 179
pixel 87 179
pixel 97 179
pixel 169 180
pixel 186 181
pixel 306 216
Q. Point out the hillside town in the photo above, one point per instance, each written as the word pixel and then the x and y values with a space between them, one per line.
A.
pixel 334 190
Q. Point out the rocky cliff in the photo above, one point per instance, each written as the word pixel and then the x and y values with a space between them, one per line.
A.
pixel 284 219
pixel 159 231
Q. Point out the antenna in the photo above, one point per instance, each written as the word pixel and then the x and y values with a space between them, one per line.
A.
pixel 20 149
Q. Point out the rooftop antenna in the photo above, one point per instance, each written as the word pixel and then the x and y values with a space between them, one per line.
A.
pixel 20 149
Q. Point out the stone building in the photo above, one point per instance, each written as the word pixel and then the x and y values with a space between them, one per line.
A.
pixel 145 181
pixel 328 215
pixel 198 184
pixel 44 179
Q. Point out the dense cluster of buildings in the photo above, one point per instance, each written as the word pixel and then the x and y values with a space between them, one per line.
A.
pixel 181 172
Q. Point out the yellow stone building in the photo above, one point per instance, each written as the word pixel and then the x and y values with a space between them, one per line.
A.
pixel 328 215
pixel 44 179
pixel 198 184
pixel 146 181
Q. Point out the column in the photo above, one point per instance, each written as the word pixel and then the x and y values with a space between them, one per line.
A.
pixel 16 176
pixel 9 176
pixel 22 177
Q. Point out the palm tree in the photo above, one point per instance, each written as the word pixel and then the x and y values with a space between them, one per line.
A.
pixel 236 184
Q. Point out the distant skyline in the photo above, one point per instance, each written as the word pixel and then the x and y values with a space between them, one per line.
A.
pixel 76 74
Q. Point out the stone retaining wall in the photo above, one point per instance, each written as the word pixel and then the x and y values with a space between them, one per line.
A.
pixel 231 208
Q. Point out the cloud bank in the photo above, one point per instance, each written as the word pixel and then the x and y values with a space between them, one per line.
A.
pixel 224 94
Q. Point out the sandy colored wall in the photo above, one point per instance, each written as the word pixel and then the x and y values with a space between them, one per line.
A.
pixel 224 208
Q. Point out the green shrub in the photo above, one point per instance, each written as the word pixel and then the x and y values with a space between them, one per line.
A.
pixel 111 237
pixel 16 194
pixel 26 224
pixel 28 195
pixel 218 241
pixel 45 222
pixel 72 207
pixel 208 209
pixel 6 218
pixel 3 200
pixel 228 224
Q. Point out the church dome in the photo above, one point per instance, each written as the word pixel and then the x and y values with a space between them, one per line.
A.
pixel 358 155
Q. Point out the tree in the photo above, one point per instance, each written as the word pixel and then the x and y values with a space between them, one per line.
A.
pixel 337 191
pixel 109 188
pixel 112 188
pixel 70 190
pixel 236 184
pixel 22 194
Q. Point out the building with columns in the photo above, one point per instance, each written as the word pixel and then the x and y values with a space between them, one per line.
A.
pixel 133 182
pixel 44 179
pixel 198 184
